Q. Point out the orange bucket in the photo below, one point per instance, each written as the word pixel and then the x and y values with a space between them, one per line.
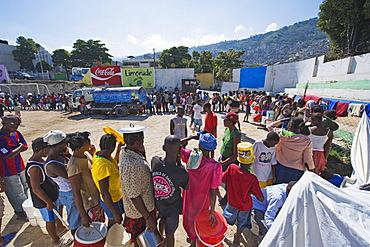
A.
pixel 210 236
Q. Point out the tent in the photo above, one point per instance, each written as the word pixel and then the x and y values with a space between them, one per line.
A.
pixel 316 213
pixel 360 152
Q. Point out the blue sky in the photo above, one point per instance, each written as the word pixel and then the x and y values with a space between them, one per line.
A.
pixel 136 27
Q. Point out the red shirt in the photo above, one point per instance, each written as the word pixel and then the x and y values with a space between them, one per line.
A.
pixel 210 122
pixel 12 166
pixel 239 184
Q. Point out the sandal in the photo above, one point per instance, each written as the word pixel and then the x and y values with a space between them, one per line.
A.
pixel 7 238
pixel 64 242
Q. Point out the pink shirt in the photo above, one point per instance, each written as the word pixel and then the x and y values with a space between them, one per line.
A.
pixel 197 198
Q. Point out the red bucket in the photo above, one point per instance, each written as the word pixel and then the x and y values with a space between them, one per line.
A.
pixel 210 236
pixel 93 236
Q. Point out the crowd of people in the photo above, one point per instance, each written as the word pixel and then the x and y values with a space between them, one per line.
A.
pixel 66 170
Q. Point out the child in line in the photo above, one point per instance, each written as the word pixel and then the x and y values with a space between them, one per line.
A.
pixel 178 124
pixel 247 112
pixel 44 192
pixel 167 180
pixel 241 184
pixel 265 159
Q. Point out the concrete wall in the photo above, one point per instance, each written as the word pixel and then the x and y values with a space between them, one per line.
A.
pixel 339 78
pixel 169 79
pixel 7 58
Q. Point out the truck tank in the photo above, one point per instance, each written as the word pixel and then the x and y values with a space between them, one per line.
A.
pixel 119 95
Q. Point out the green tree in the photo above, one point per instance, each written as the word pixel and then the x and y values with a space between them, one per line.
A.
pixel 225 62
pixel 206 62
pixel 25 52
pixel 86 53
pixel 347 22
pixel 45 66
pixel 175 57
pixel 61 57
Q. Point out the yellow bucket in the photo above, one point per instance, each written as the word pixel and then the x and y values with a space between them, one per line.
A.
pixel 245 153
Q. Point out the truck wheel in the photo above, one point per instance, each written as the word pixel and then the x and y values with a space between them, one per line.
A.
pixel 121 111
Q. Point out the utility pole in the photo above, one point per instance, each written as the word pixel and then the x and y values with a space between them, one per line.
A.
pixel 154 56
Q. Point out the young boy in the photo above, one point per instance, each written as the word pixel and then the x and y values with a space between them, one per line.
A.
pixel 44 192
pixel 167 180
pixel 178 124
pixel 240 184
pixel 198 115
pixel 265 159
pixel 210 123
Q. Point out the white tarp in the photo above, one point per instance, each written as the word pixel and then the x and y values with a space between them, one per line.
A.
pixel 360 152
pixel 316 213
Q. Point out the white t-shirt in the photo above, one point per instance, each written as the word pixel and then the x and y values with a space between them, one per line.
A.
pixel 197 111
pixel 264 157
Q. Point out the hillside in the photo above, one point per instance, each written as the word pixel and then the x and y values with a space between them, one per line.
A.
pixel 300 41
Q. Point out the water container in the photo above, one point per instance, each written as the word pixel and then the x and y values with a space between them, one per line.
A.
pixel 93 236
pixel 30 210
pixel 40 221
pixel 117 236
pixel 207 235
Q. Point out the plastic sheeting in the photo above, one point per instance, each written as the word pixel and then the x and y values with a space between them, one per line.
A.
pixel 316 213
pixel 360 152
pixel 253 77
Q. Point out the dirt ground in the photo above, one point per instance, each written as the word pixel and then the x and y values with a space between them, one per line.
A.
pixel 37 123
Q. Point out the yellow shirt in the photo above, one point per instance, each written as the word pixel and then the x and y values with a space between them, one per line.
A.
pixel 102 168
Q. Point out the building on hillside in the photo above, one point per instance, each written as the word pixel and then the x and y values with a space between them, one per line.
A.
pixel 140 63
pixel 6 56
pixel 42 55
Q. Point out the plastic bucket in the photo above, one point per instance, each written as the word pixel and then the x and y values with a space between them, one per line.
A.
pixel 270 115
pixel 40 221
pixel 93 236
pixel 245 153
pixel 117 236
pixel 263 120
pixel 27 206
pixel 207 235
pixel 268 122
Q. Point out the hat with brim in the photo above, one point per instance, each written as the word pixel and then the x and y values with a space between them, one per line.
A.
pixel 12 120
pixel 132 129
pixel 231 116
pixel 208 141
pixel 54 137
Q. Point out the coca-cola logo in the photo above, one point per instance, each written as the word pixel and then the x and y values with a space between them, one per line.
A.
pixel 104 72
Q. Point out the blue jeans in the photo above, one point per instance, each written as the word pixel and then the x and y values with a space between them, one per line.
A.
pixel 241 218
pixel 73 216
pixel 118 205
pixel 17 191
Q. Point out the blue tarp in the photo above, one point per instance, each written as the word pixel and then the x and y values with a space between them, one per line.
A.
pixel 252 77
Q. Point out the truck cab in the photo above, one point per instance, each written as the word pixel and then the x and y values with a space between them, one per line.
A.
pixel 87 92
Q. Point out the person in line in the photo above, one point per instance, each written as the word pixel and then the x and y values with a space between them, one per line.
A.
pixel 85 193
pixel 44 192
pixel 56 168
pixel 241 184
pixel 168 179
pixel 83 106
pixel 321 139
pixel 210 123
pixel 178 124
pixel 265 211
pixel 12 168
pixel 198 115
pixel 203 184
pixel 229 148
pixel 104 171
pixel 191 114
pixel 247 112
pixel 265 159
pixel 137 186
pixel 293 151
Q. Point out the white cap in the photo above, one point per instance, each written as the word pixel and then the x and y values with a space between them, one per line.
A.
pixel 54 137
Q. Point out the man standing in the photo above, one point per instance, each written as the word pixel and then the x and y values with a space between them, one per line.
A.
pixel 198 115
pixel 136 184
pixel 178 124
pixel 12 168
pixel 210 123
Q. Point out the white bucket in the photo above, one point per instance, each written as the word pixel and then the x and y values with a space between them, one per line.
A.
pixel 268 122
pixel 263 120
pixel 117 236
pixel 40 221
pixel 270 115
pixel 29 209
pixel 255 228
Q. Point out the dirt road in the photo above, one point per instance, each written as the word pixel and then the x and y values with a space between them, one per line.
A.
pixel 37 123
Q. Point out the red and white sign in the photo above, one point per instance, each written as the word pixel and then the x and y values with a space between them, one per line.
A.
pixel 106 75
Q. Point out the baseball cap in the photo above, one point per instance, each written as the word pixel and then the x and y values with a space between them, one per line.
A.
pixel 208 141
pixel 54 137
pixel 232 116
pixel 12 119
